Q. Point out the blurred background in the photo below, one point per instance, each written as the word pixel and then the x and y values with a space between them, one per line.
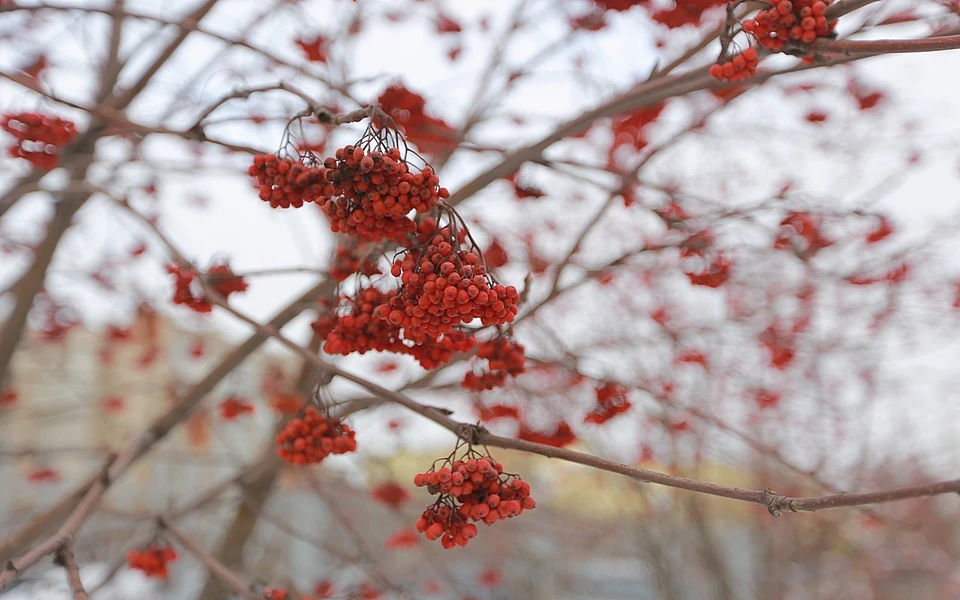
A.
pixel 766 273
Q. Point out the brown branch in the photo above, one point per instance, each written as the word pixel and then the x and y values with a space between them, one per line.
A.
pixel 221 572
pixel 186 25
pixel 344 522
pixel 849 47
pixel 65 559
pixel 112 66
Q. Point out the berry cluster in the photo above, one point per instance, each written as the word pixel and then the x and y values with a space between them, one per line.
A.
pixel 152 560
pixel 350 258
pixel 360 330
pixel 504 358
pixel 740 67
pixel 284 182
pixel 611 401
pixel 373 192
pixel 473 488
pixel 270 593
pixel 220 278
pixel 38 137
pixel 432 352
pixel 444 285
pixel 785 20
pixel 312 437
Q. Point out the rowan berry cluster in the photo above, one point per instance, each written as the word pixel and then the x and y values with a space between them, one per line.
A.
pixel 270 593
pixel 312 437
pixel 284 182
pixel 360 330
pixel 433 352
pixel 152 560
pixel 443 284
pixel 785 20
pixel 740 67
pixel 220 277
pixel 801 232
pixel 373 193
pixel 471 489
pixel 38 137
pixel 611 401
pixel 351 258
pixel 504 358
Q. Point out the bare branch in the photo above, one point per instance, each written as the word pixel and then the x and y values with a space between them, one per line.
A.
pixel 65 559
pixel 225 575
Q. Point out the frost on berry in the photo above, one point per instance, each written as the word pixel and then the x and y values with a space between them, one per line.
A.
pixel 444 283
pixel 471 489
pixel 313 436
pixel 152 560
pixel 373 192
pixel 712 273
pixel 790 21
pixel 801 233
pixel 38 138
pixel 611 401
pixel 284 182
pixel 189 292
pixel 504 358
pixel 740 67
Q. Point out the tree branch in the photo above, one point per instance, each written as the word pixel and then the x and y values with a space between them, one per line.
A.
pixel 65 559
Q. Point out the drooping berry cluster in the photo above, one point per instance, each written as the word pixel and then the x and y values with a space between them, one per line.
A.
pixel 361 331
pixel 740 67
pixel 433 352
pixel 504 358
pixel 374 192
pixel 785 20
pixel 351 258
pixel 471 489
pixel 38 137
pixel 443 284
pixel 312 437
pixel 284 182
pixel 611 401
pixel 152 560
pixel 220 277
